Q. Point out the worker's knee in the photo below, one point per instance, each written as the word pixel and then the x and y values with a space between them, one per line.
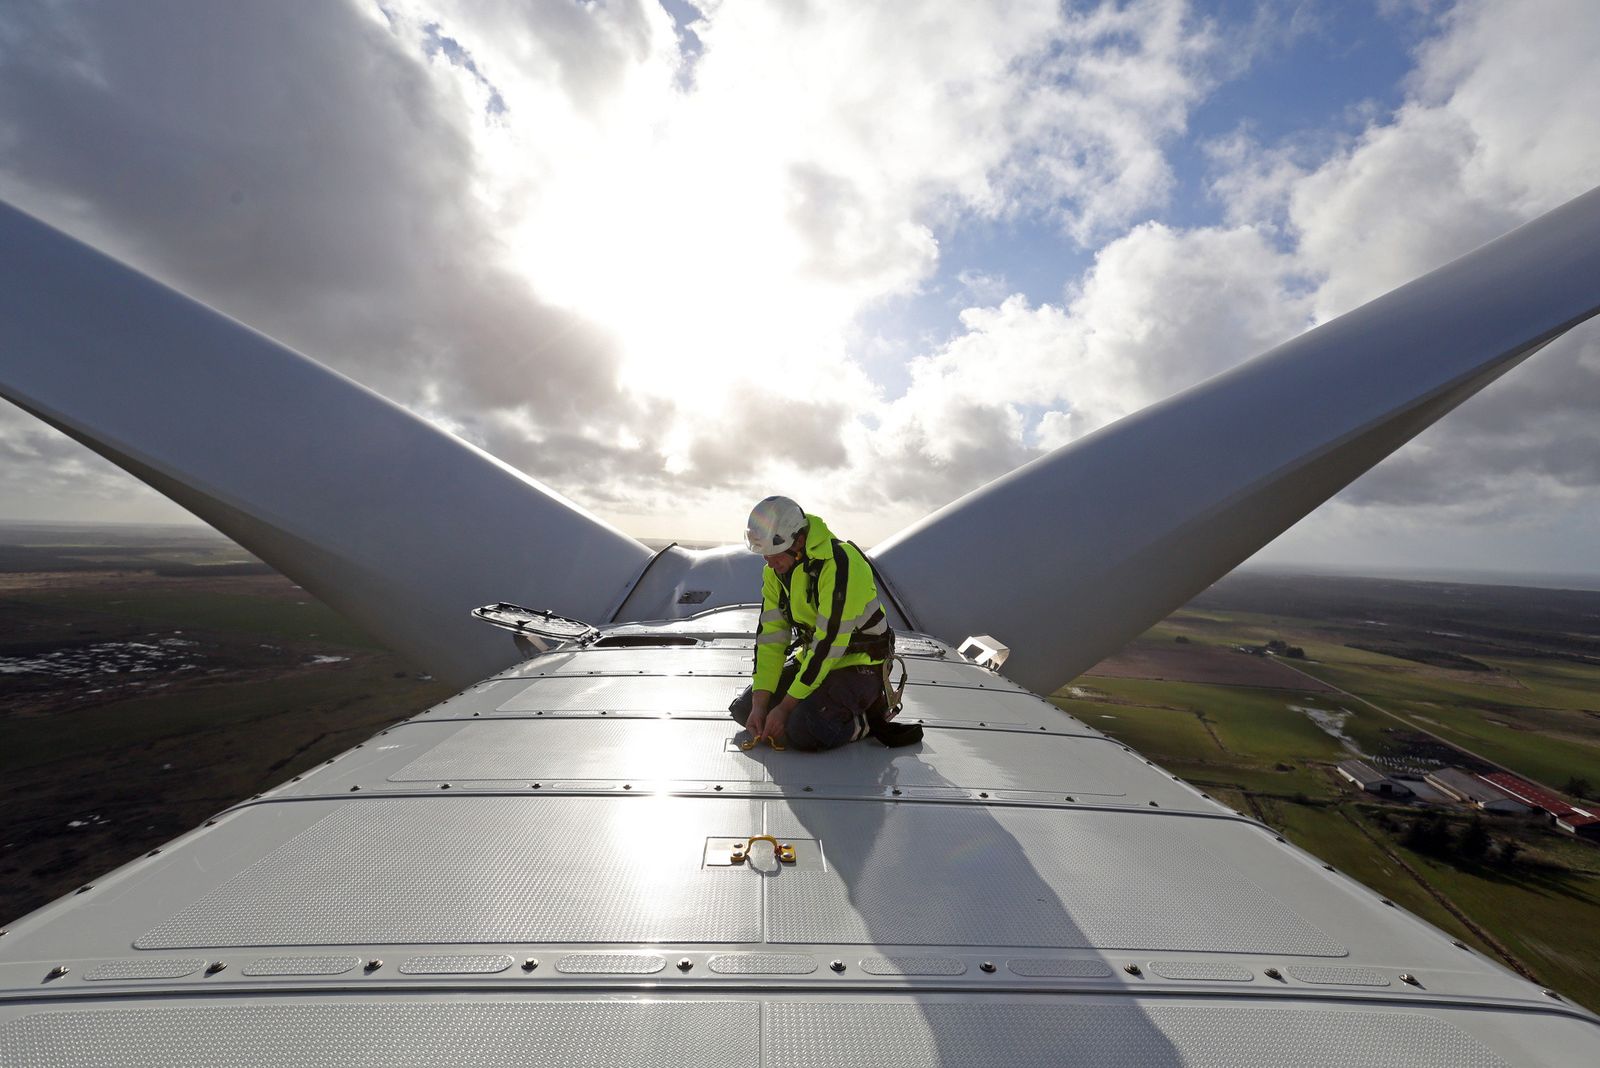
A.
pixel 740 708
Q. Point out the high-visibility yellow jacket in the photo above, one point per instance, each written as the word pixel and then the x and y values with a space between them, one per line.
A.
pixel 829 595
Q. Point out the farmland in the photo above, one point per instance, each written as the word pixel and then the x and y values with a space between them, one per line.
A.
pixel 1413 675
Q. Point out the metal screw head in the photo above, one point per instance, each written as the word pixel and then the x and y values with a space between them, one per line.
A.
pixel 374 964
pixel 1386 901
pixel 1132 969
pixel 1459 944
pixel 837 965
pixel 1552 994
pixel 215 966
pixel 530 964
pixel 1277 838
pixel 84 889
pixel 1273 973
pixel 355 789
pixel 983 795
pixel 987 966
pixel 684 964
pixel 57 972
pixel 897 791
pixel 1409 979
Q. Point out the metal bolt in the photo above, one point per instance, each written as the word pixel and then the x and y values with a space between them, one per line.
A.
pixel 1154 805
pixel 983 795
pixel 1552 994
pixel 1409 979
pixel 1277 838
pixel 57 972
pixel 684 964
pixel 215 966
pixel 897 791
pixel 537 786
pixel 627 786
pixel 1071 798
pixel 211 823
pixel 444 786
pixel 837 965
pixel 530 964
pixel 1327 867
pixel 1386 901
pixel 374 964
pixel 987 966
pixel 1459 944
pixel 1273 973
pixel 807 789
pixel 1132 969
pixel 355 789
pixel 718 788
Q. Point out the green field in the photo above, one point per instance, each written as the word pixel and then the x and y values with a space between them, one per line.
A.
pixel 1257 750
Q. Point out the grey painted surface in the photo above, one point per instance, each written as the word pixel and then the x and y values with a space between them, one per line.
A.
pixel 423 898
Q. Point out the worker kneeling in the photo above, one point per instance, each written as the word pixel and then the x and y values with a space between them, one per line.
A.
pixel 818 594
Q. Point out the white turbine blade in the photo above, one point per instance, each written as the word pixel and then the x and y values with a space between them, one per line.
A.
pixel 394 522
pixel 1069 557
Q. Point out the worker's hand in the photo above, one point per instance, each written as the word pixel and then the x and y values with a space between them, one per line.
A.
pixel 774 723
pixel 758 713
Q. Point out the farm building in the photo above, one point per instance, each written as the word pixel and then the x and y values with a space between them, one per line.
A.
pixel 1371 780
pixel 1465 786
pixel 1580 822
pixel 1529 794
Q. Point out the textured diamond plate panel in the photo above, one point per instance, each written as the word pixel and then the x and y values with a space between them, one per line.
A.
pixel 397 1034
pixel 909 645
pixel 610 964
pixel 567 749
pixel 480 964
pixel 973 706
pixel 1110 1036
pixel 301 965
pixel 636 661
pixel 913 966
pixel 649 693
pixel 1339 976
pixel 1202 970
pixel 1105 880
pixel 983 760
pixel 484 869
pixel 147 968
pixel 1060 968
pixel 763 964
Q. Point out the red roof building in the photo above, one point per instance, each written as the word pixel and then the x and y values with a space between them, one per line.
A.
pixel 1528 794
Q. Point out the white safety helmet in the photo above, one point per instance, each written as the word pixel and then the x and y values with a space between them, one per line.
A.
pixel 773 526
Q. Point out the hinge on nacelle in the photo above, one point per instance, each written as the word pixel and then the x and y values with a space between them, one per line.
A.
pixel 535 631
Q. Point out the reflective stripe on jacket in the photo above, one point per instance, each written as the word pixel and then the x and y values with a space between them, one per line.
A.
pixel 828 596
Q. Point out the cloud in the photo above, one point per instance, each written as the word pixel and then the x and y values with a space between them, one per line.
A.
pixel 633 255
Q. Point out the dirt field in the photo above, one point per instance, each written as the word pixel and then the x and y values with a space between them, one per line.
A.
pixel 1170 661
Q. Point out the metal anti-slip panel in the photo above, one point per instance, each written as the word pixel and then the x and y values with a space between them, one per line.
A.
pixel 1339 976
pixel 1059 968
pixel 610 964
pixel 636 661
pixel 972 706
pixel 399 1033
pixel 1202 970
pixel 484 869
pixel 566 749
pixel 1110 1036
pixel 263 966
pixel 913 966
pixel 475 964
pixel 763 964
pixel 642 693
pixel 147 968
pixel 1101 880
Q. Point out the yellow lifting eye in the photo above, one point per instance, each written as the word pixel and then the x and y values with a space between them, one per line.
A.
pixel 782 850
pixel 752 743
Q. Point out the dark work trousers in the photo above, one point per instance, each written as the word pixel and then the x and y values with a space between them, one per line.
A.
pixel 835 713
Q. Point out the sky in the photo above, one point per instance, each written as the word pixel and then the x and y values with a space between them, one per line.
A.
pixel 668 258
